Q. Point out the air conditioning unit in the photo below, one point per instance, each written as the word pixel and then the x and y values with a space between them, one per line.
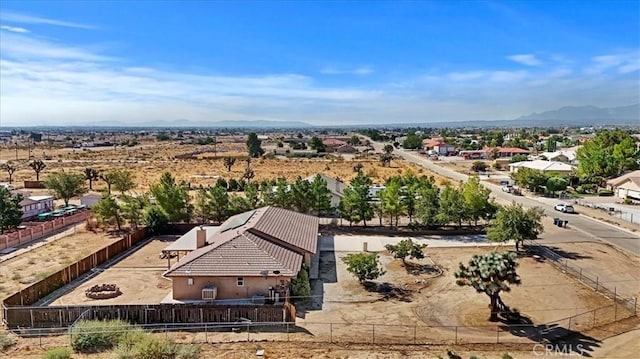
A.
pixel 209 293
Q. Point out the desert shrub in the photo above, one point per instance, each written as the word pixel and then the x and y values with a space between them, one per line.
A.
pixel 300 286
pixel 58 353
pixel 6 340
pixel 90 336
pixel 497 166
pixel 151 347
pixel 479 166
pixel 188 351
pixel 605 193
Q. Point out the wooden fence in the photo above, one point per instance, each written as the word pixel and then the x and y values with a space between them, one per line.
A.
pixel 64 316
pixel 40 230
pixel 46 286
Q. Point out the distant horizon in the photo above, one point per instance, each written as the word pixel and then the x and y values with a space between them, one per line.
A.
pixel 76 63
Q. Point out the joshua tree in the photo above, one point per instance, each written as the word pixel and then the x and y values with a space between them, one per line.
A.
pixel 11 169
pixel 357 167
pixel 91 175
pixel 38 166
pixel 229 162
pixel 248 174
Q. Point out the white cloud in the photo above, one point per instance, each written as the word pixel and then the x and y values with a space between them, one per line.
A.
pixel 525 59
pixel 621 62
pixel 362 70
pixel 13 17
pixel 14 29
pixel 55 83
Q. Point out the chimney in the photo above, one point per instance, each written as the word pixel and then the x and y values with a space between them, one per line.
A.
pixel 201 237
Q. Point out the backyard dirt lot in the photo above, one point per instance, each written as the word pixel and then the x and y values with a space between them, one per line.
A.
pixel 139 277
pixel 39 262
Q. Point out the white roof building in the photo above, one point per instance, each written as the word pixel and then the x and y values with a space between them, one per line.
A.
pixel 542 166
pixel 561 156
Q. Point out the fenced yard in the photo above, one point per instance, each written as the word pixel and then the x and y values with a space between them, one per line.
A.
pixel 40 230
pixel 616 210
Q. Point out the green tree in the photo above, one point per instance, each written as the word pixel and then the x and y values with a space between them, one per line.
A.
pixel 479 166
pixel 132 209
pixel 201 207
pixel 412 142
pixel 490 274
pixel 315 143
pixel 476 200
pixel 91 174
pixel 354 140
pixel 391 200
pixel 409 193
pixel 172 198
pixel 218 199
pixel 251 196
pixel 282 195
pixel 123 181
pixel 300 286
pixel 556 184
pixel 364 266
pixel 452 208
pixel 608 154
pixel 254 145
pixel 356 200
pixel 155 219
pixel 108 211
pixel 320 196
pixel 406 248
pixel 518 158
pixel 10 210
pixel 530 179
pixel 517 224
pixel 301 195
pixel 65 185
pixel 229 162
pixel 38 166
pixel 428 203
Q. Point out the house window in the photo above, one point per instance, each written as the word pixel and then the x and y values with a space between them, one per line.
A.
pixel 189 281
pixel 240 281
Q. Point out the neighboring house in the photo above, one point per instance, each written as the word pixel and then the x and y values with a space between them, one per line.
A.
pixel 506 152
pixel 333 143
pixel 35 205
pixel 344 149
pixel 335 186
pixel 252 255
pixel 542 166
pixel 90 199
pixel 439 147
pixel 560 156
pixel 474 155
pixel 627 185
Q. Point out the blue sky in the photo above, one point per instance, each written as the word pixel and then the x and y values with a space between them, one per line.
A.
pixel 335 62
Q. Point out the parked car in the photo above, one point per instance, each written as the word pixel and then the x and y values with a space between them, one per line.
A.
pixel 564 207
pixel 507 188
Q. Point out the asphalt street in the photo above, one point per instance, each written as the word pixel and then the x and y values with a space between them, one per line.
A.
pixel 606 232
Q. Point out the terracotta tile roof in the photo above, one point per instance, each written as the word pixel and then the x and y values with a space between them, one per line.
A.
pixel 241 255
pixel 247 244
pixel 297 229
pixel 333 142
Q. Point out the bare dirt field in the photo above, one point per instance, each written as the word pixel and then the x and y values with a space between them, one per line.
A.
pixel 149 160
pixel 38 263
pixel 139 277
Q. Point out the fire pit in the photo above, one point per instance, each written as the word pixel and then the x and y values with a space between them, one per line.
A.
pixel 103 291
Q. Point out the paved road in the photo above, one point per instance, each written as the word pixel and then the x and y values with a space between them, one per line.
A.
pixel 618 237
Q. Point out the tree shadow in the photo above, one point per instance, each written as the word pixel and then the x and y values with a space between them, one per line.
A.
pixel 422 269
pixel 389 291
pixel 554 339
pixel 536 252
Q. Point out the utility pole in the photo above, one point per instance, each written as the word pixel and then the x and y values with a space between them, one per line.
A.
pixel 16 150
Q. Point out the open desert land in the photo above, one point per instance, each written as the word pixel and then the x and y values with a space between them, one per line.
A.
pixel 37 263
pixel 138 275
pixel 149 160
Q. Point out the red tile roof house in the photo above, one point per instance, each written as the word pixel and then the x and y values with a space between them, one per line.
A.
pixel 252 255
pixel 506 152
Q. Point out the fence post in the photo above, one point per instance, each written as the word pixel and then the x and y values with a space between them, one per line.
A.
pixel 248 332
pixel 206 337
pixel 331 333
pixel 415 333
pixel 569 323
pixel 615 304
pixel 287 331
pixel 594 319
pixel 456 339
pixel 373 333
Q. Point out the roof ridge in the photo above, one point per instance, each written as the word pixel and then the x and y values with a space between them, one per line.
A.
pixel 268 254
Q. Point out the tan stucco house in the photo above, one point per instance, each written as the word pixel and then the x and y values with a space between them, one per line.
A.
pixel 253 255
pixel 627 185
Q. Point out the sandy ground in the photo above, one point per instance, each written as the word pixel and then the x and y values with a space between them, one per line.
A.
pixel 149 160
pixel 37 263
pixel 139 277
